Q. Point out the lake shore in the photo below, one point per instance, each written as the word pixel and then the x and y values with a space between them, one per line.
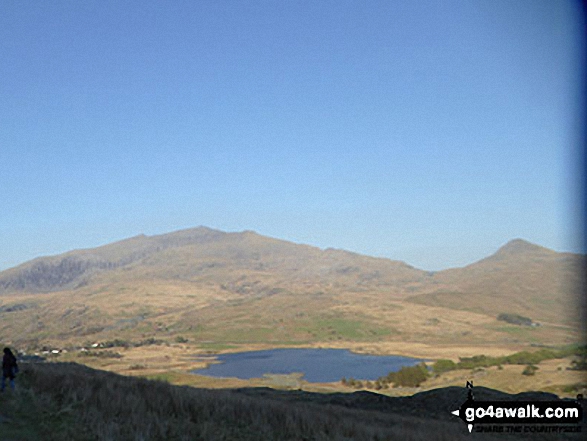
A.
pixel 174 362
pixel 413 350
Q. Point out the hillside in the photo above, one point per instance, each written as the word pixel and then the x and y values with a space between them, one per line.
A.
pixel 520 277
pixel 212 287
pixel 66 401
pixel 203 255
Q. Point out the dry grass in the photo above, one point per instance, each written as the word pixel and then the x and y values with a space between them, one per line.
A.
pixel 168 311
pixel 86 404
pixel 510 379
pixel 68 401
pixel 245 288
pixel 173 363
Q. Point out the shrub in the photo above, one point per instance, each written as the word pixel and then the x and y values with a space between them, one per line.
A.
pixel 443 365
pixel 477 361
pixel 149 341
pixel 530 370
pixel 579 365
pixel 515 319
pixel 134 367
pixel 525 357
pixel 574 388
pixel 411 376
pixel 101 354
pixel 116 343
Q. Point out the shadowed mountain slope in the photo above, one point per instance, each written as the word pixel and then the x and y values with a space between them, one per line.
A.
pixel 75 268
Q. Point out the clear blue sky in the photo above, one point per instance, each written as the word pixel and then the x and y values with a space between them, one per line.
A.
pixel 429 132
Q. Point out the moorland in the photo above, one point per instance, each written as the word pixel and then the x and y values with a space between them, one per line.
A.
pixel 160 306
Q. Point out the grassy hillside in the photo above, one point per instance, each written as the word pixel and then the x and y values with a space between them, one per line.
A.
pixel 239 290
pixel 241 263
pixel 520 278
pixel 64 401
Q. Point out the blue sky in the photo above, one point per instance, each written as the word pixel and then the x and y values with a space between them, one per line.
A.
pixel 429 132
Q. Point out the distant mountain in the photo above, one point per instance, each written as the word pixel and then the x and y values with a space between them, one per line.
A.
pixel 243 287
pixel 224 258
pixel 75 268
pixel 520 277
pixel 520 248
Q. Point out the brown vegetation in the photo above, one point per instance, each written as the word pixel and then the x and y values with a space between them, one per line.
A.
pixel 204 285
pixel 156 302
pixel 58 401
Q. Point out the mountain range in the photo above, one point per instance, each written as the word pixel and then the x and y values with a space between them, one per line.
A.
pixel 189 281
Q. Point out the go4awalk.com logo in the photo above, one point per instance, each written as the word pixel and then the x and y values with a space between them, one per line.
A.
pixel 517 416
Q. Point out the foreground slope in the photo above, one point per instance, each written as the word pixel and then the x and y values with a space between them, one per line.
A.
pixel 59 401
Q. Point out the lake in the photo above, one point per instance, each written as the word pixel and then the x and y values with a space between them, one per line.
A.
pixel 317 365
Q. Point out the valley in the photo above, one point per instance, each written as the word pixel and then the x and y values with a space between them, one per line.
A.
pixel 200 292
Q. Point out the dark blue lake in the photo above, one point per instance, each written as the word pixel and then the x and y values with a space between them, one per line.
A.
pixel 317 365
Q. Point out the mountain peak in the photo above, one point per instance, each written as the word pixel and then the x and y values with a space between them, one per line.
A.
pixel 521 246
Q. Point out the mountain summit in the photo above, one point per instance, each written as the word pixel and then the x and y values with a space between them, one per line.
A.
pixel 218 286
pixel 244 262
pixel 520 246
pixel 222 259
